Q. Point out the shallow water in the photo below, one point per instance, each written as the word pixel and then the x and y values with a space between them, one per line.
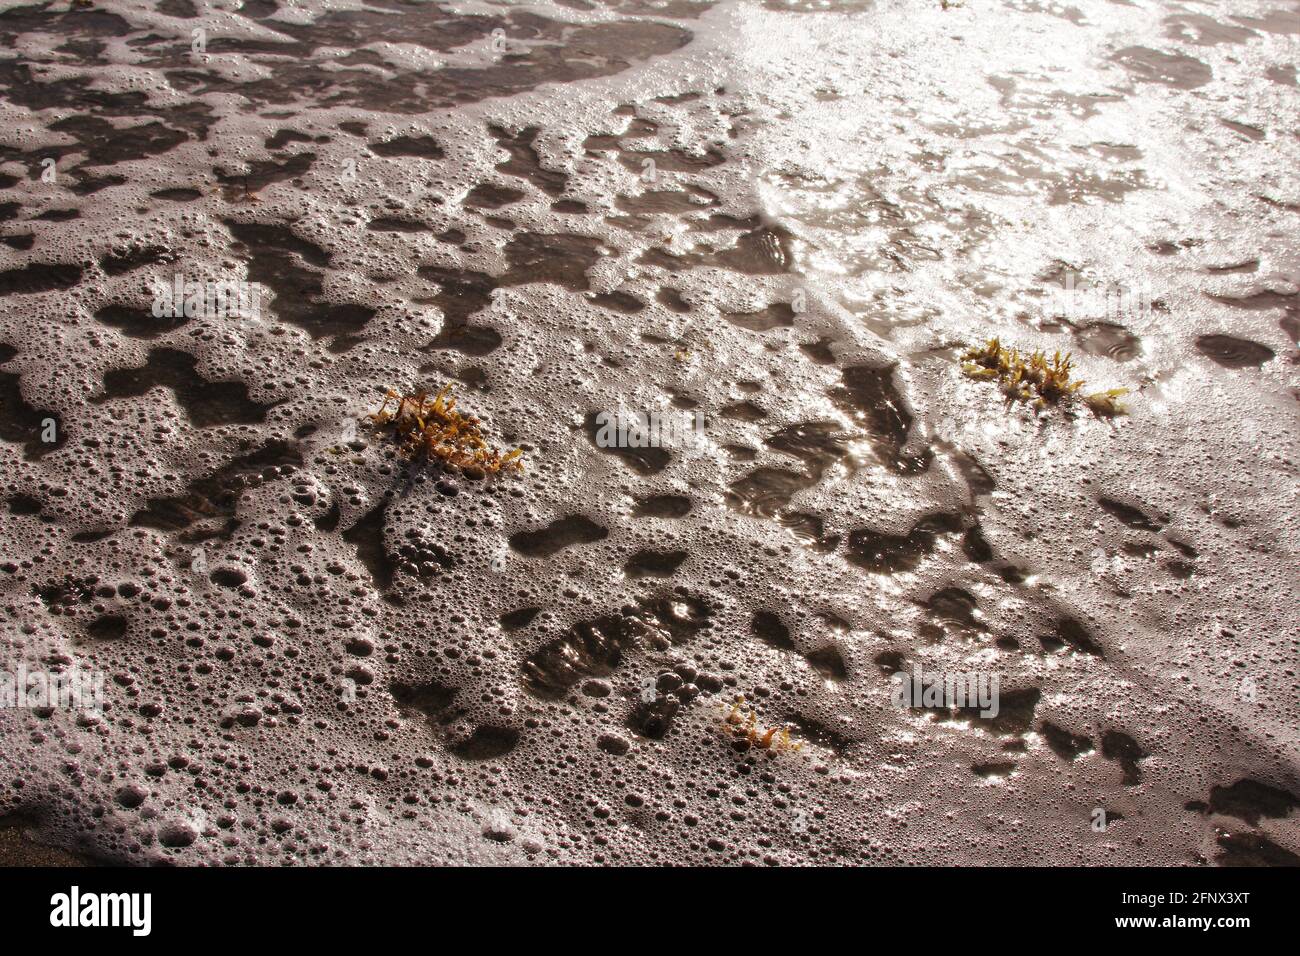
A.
pixel 792 217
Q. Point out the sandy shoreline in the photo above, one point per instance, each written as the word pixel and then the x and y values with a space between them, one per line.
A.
pixel 782 234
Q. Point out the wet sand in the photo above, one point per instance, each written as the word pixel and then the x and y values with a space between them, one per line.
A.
pixel 792 222
pixel 18 848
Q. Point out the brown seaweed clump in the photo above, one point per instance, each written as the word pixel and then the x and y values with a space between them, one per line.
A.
pixel 1033 377
pixel 431 427
pixel 745 726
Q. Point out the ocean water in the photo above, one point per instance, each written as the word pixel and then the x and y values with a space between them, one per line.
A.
pixel 768 233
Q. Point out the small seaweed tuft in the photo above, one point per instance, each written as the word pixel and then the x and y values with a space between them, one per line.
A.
pixel 237 192
pixel 1033 377
pixel 745 726
pixel 431 427
pixel 1105 404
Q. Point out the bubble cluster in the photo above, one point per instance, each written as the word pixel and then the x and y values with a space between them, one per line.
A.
pixel 316 649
